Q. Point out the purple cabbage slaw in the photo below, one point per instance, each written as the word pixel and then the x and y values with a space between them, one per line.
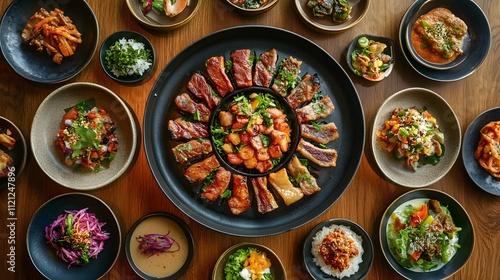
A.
pixel 153 243
pixel 77 236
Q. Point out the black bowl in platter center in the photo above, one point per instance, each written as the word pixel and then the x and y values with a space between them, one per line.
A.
pixel 231 99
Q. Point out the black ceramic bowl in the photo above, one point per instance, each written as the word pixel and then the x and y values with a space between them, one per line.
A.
pixel 39 67
pixel 168 218
pixel 285 108
pixel 18 153
pixel 43 255
pixel 476 44
pixel 367 257
pixel 389 50
pixel 471 139
pixel 460 218
pixel 111 40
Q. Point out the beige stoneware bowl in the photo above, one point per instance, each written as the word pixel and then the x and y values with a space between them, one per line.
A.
pixel 395 170
pixel 46 123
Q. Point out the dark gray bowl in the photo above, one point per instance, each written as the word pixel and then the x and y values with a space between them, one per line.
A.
pixel 388 51
pixel 43 255
pixel 367 257
pixel 461 219
pixel 471 139
pixel 39 67
pixel 111 39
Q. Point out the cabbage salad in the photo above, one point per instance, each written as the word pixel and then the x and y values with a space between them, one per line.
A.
pixel 422 235
pixel 248 264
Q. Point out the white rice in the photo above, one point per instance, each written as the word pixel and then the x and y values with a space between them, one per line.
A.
pixel 318 259
pixel 140 65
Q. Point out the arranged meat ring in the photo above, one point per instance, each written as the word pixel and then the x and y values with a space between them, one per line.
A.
pixel 205 90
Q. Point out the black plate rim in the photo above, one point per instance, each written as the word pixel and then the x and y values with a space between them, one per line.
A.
pixel 461 71
pixel 470 141
pixel 266 228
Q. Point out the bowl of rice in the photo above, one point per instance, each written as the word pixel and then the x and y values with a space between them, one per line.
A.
pixel 127 56
pixel 323 259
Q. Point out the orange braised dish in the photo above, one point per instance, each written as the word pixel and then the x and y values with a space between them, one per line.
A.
pixel 437 36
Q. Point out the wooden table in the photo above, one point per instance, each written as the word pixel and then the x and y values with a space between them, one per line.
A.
pixel 137 194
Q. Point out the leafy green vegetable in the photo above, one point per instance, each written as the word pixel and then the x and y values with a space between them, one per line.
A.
pixel 127 58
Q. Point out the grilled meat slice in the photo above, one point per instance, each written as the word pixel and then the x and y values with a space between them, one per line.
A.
pixel 264 68
pixel 322 157
pixel 242 67
pixel 6 163
pixel 322 133
pixel 191 150
pixel 217 72
pixel 199 87
pixel 199 111
pixel 219 185
pixel 200 170
pixel 265 199
pixel 304 91
pixel 181 129
pixel 240 197
pixel 287 74
pixel 301 175
pixel 281 183
pixel 317 109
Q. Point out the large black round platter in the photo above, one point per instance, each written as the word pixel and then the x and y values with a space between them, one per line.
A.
pixel 335 83
pixel 39 67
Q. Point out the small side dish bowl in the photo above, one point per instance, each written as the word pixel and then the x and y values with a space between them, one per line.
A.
pixel 160 21
pixel 475 43
pixel 127 35
pixel 387 54
pixel 326 24
pixel 18 153
pixel 39 67
pixel 251 11
pixel 291 120
pixel 367 246
pixel 471 140
pixel 460 218
pixel 47 121
pixel 152 266
pixel 395 170
pixel 43 255
pixel 277 268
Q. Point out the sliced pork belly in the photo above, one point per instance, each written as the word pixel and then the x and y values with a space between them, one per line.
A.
pixel 240 197
pixel 217 72
pixel 321 133
pixel 200 170
pixel 288 72
pixel 199 111
pixel 264 68
pixel 265 199
pixel 322 157
pixel 281 183
pixel 181 129
pixel 242 67
pixel 219 185
pixel 317 109
pixel 304 91
pixel 301 175
pixel 191 150
pixel 199 87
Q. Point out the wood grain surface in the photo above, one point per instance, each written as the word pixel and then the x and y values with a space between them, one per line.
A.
pixel 136 193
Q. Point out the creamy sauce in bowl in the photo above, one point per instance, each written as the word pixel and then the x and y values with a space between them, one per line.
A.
pixel 163 264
